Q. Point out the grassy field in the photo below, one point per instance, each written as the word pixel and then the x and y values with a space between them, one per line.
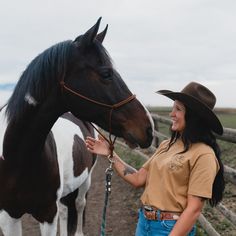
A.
pixel 220 223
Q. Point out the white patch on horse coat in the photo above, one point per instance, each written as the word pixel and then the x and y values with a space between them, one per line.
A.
pixel 9 225
pixel 64 131
pixel 31 100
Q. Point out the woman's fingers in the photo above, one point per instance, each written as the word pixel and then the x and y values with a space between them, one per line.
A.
pixel 90 139
pixel 97 146
pixel 90 143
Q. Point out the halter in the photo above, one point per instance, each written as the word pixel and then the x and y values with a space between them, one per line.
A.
pixel 111 107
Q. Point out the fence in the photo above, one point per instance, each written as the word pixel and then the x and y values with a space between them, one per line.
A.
pixel 229 135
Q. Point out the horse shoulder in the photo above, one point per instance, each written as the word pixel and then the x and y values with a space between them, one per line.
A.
pixel 72 155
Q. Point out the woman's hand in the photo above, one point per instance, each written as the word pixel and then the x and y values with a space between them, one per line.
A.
pixel 99 146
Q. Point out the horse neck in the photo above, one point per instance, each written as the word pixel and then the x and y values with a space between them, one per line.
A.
pixel 26 137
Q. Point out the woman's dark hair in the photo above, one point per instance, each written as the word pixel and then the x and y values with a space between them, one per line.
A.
pixel 196 130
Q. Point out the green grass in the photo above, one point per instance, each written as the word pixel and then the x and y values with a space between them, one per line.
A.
pixel 130 157
pixel 228 120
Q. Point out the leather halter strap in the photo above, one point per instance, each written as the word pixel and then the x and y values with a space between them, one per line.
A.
pixel 119 104
pixel 112 107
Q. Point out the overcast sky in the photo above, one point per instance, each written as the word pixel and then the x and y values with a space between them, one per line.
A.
pixel 155 44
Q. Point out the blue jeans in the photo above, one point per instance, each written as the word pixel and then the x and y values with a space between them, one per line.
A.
pixel 156 227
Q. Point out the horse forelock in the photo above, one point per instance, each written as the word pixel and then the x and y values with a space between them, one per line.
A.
pixel 41 75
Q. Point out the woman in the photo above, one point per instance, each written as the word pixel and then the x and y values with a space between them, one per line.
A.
pixel 184 171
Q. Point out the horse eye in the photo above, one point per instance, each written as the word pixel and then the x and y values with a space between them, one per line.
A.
pixel 106 73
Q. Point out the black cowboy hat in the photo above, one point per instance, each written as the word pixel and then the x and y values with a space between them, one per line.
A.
pixel 200 99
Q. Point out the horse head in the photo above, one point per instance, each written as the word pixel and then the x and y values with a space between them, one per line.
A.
pixel 92 86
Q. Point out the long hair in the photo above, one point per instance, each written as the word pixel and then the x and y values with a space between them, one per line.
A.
pixel 196 130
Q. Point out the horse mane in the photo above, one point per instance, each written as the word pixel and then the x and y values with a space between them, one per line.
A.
pixel 39 78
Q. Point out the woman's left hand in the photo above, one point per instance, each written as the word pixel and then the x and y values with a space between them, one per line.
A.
pixel 99 146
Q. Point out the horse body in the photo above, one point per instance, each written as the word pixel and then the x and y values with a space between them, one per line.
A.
pixel 45 168
pixel 51 179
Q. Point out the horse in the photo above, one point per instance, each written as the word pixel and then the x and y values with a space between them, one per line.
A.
pixel 75 177
pixel 75 76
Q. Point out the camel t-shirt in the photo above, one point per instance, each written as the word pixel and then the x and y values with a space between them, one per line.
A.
pixel 173 175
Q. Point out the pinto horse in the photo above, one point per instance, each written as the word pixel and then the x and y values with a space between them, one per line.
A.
pixel 37 145
pixel 75 168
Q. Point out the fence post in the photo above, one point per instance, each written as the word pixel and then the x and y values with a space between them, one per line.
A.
pixel 155 141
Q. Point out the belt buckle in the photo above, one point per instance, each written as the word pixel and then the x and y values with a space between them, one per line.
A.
pixel 147 208
pixel 149 213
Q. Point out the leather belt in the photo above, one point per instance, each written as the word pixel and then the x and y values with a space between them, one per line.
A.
pixel 152 213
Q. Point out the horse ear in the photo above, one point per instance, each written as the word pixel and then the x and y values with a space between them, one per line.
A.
pixel 89 37
pixel 100 37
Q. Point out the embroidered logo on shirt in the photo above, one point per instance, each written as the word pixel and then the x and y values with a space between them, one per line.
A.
pixel 176 162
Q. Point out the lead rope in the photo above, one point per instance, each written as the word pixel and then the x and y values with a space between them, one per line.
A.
pixel 108 175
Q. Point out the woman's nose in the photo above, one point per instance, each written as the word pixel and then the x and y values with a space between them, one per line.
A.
pixel 171 114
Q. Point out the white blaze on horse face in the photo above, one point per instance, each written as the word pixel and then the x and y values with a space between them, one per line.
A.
pixel 31 100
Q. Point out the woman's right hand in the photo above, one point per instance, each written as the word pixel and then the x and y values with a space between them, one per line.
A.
pixel 99 146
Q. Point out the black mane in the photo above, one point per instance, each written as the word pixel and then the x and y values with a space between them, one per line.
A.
pixel 40 76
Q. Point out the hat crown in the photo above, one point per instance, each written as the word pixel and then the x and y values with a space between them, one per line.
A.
pixel 201 93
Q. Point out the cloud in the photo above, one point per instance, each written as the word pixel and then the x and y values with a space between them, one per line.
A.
pixel 154 44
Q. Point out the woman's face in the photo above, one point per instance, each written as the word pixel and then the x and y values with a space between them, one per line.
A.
pixel 178 116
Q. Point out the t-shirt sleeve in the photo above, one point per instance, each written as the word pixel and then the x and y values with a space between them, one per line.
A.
pixel 202 176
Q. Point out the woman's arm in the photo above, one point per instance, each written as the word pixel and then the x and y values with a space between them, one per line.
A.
pixel 189 216
pixel 137 178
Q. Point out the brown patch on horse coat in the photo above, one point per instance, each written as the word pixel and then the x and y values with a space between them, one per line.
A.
pixel 82 158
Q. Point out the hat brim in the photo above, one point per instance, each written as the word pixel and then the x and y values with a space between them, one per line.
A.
pixel 203 111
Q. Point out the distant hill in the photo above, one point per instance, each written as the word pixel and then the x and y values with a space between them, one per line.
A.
pixel 7 86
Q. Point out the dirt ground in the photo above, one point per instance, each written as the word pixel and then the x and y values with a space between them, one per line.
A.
pixel 121 210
